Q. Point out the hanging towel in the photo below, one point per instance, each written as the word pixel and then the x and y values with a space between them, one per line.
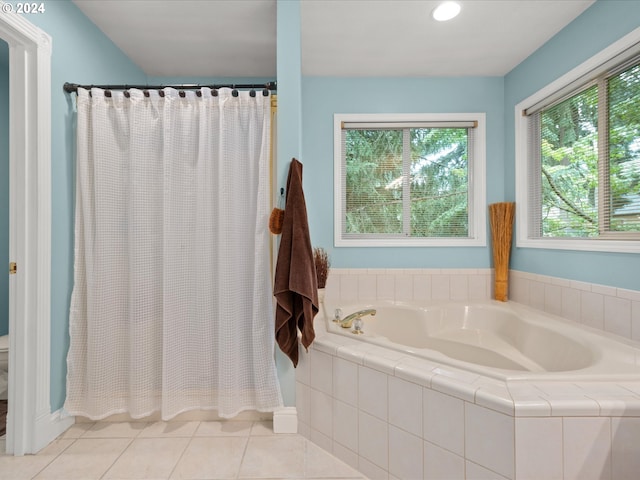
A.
pixel 295 286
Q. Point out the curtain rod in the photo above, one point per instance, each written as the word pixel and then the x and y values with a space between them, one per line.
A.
pixel 73 87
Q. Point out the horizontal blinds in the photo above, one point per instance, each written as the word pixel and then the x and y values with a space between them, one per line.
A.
pixel 535 179
pixel 619 144
pixel 372 182
pixel 406 179
pixel 584 159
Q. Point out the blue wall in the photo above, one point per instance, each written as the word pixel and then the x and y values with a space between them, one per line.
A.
pixel 322 97
pixel 81 54
pixel 599 26
pixel 4 185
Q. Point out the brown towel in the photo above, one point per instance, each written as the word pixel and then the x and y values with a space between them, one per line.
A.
pixel 296 286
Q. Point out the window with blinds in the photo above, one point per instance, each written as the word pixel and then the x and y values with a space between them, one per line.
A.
pixel 579 147
pixel 406 182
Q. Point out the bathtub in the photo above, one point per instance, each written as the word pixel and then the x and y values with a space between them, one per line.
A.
pixel 470 390
pixel 506 341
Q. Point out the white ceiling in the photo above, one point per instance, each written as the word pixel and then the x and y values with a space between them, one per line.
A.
pixel 237 38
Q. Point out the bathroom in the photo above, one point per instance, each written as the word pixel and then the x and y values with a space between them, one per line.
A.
pixel 79 46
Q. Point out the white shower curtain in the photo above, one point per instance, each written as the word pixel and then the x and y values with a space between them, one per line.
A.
pixel 172 304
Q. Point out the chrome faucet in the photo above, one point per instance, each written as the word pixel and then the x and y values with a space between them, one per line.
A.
pixel 347 321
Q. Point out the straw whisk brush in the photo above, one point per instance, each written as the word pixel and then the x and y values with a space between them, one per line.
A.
pixel 501 217
pixel 322 263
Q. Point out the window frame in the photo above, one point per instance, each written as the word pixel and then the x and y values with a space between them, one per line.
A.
pixel 476 175
pixel 524 179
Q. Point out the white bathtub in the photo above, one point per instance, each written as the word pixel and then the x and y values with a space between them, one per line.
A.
pixel 506 341
pixel 485 389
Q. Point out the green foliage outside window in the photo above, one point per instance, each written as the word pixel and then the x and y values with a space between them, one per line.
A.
pixel 570 161
pixel 624 149
pixel 422 192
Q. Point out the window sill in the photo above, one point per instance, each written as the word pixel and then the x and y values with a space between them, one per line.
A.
pixel 411 242
pixel 587 245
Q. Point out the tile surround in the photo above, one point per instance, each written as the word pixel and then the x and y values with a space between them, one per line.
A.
pixel 372 392
pixel 538 448
pixel 409 284
pixel 615 310
pixel 405 405
pixel 489 439
pixel 439 463
pixel 587 452
pixel 470 426
pixel 373 439
pixel 404 447
pixel 444 420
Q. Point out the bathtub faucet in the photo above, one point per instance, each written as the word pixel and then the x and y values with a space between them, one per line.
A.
pixel 348 320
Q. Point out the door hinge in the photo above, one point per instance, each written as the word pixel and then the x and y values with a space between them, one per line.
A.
pixel 13 268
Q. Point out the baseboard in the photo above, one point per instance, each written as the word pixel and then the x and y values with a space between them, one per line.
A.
pixel 188 416
pixel 48 428
pixel 285 420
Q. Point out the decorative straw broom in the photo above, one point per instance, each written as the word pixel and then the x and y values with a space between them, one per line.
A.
pixel 321 259
pixel 501 216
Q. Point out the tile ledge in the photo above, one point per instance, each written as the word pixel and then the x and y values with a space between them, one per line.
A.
pixel 489 394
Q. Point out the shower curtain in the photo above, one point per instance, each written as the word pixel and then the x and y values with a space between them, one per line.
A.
pixel 172 308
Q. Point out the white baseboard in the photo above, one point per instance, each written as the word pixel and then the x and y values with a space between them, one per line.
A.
pixel 48 428
pixel 285 420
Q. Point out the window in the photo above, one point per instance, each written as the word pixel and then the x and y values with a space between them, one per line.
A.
pixel 578 157
pixel 409 180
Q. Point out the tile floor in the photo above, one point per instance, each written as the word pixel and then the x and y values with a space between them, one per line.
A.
pixel 199 450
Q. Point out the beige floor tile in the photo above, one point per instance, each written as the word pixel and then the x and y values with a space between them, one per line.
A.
pixel 183 450
pixel 87 458
pixel 169 429
pixel 219 428
pixel 51 450
pixel 56 447
pixel 77 430
pixel 22 468
pixel 148 458
pixel 28 466
pixel 211 458
pixel 321 464
pixel 262 428
pixel 115 430
pixel 274 456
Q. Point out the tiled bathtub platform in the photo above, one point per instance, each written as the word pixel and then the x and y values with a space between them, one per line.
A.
pixel 392 416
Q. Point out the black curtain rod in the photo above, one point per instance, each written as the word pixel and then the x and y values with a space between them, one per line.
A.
pixel 73 87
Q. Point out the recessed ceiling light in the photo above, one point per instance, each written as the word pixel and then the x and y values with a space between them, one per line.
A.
pixel 445 11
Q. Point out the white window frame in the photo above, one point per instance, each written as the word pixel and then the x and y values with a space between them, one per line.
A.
pixel 477 182
pixel 524 237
